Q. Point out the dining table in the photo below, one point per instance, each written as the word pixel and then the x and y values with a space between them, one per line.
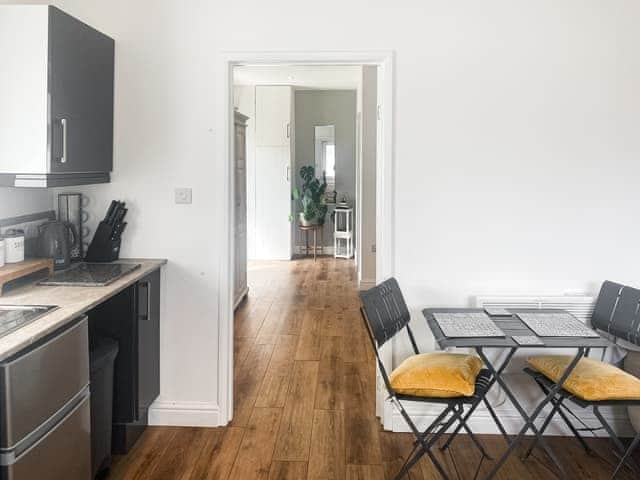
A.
pixel 513 335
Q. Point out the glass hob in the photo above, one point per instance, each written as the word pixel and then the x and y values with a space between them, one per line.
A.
pixel 90 274
pixel 12 317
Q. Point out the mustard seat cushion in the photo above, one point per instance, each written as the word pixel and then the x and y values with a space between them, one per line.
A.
pixel 591 380
pixel 437 375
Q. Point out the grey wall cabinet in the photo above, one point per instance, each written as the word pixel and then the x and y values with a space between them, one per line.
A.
pixel 56 120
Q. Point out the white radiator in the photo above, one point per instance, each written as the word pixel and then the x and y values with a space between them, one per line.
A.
pixel 581 306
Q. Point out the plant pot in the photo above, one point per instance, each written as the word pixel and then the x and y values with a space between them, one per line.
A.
pixel 308 223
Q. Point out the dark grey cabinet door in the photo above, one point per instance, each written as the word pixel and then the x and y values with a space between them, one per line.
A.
pixel 81 66
pixel 148 341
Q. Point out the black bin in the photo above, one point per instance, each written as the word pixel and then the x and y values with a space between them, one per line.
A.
pixel 103 352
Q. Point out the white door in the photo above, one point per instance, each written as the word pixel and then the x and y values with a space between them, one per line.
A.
pixel 273 172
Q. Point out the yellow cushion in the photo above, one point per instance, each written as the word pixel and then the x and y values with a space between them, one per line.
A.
pixel 437 375
pixel 591 380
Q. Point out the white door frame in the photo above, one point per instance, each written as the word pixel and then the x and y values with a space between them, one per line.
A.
pixel 224 148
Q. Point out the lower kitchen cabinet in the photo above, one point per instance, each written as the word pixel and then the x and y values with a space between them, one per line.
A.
pixel 133 319
pixel 148 292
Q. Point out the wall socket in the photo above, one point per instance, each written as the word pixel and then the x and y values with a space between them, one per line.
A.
pixel 183 196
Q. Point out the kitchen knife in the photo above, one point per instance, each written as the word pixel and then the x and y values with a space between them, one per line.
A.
pixel 120 216
pixel 110 210
pixel 109 220
pixel 116 212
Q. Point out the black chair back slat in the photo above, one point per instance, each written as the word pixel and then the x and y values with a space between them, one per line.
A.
pixel 385 309
pixel 606 305
pixel 625 318
pixel 617 311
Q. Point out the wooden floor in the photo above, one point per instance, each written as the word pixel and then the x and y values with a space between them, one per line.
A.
pixel 304 399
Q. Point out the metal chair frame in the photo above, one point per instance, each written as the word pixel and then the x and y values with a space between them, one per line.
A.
pixel 617 313
pixel 385 314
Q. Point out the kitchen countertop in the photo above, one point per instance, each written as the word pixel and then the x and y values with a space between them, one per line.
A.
pixel 71 301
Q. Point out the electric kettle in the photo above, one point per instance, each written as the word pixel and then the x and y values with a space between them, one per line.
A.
pixel 56 239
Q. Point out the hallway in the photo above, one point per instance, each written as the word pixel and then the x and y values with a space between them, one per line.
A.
pixel 299 342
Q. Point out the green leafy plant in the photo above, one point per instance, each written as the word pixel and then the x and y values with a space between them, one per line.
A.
pixel 311 195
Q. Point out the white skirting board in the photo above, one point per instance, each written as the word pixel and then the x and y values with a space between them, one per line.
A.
pixel 366 284
pixel 327 250
pixel 301 250
pixel 482 423
pixel 184 414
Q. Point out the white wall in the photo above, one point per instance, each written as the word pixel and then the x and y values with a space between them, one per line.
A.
pixel 516 144
pixel 22 201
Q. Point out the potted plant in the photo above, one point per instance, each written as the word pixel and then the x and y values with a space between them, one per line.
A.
pixel 311 196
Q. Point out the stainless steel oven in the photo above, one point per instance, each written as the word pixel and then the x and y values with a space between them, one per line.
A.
pixel 44 409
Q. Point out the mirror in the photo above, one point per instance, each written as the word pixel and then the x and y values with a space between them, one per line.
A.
pixel 325 146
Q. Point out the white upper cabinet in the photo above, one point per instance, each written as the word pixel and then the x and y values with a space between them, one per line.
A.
pixel 273 116
pixel 23 93
pixel 56 99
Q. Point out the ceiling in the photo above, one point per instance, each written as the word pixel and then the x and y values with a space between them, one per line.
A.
pixel 302 76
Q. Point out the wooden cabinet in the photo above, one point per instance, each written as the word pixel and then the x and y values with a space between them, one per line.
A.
pixel 56 120
pixel 132 318
pixel 240 209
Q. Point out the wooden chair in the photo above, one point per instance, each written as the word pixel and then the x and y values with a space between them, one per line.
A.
pixel 617 313
pixel 385 314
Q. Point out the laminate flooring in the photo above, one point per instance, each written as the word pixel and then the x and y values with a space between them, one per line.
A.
pixel 304 378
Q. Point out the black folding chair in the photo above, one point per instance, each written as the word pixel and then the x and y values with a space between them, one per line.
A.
pixel 385 313
pixel 617 313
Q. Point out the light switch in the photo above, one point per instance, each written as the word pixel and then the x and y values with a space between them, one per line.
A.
pixel 183 196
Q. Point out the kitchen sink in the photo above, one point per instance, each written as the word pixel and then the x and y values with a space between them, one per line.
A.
pixel 13 317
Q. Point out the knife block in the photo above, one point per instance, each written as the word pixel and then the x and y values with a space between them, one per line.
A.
pixel 103 248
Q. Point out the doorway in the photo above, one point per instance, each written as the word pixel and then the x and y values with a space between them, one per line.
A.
pixel 302 133
pixel 383 184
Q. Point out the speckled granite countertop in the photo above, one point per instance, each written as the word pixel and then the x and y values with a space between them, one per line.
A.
pixel 71 302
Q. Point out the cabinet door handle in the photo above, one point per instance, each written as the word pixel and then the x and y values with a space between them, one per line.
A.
pixel 63 159
pixel 288 130
pixel 143 316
